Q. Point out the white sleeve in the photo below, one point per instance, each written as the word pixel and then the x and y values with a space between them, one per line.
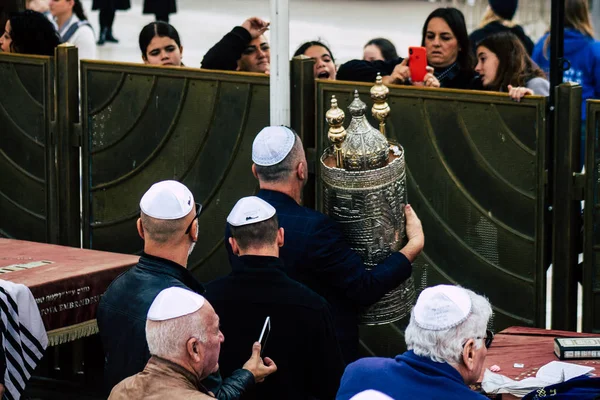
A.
pixel 85 41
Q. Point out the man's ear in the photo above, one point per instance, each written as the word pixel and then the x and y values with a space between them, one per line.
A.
pixel 234 246
pixel 468 354
pixel 195 349
pixel 254 171
pixel 301 171
pixel 280 237
pixel 194 231
pixel 140 228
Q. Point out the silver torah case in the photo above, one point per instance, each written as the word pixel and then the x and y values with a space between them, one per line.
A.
pixel 366 195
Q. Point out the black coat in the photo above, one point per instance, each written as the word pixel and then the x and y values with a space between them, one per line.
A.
pixel 366 71
pixel 316 254
pixel 121 320
pixel 160 7
pixel 302 341
pixel 496 27
pixel 111 4
pixel 227 51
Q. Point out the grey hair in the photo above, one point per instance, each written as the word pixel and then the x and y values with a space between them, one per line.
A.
pixel 167 339
pixel 447 345
pixel 282 170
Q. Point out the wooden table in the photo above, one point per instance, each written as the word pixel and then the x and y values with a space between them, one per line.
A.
pixel 532 347
pixel 66 282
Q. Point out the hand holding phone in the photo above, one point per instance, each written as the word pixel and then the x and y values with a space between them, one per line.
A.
pixel 417 63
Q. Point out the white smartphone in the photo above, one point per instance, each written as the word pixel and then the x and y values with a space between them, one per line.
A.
pixel 264 335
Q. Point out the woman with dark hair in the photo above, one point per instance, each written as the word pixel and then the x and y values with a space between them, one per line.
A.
pixel 499 18
pixel 504 66
pixel 74 27
pixel 448 52
pixel 108 9
pixel 29 32
pixel 160 44
pixel 160 8
pixel 324 61
pixel 379 49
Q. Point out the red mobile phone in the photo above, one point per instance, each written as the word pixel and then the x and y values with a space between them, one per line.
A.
pixel 417 63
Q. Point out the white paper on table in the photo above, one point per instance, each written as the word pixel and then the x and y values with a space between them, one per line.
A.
pixel 550 374
pixel 558 371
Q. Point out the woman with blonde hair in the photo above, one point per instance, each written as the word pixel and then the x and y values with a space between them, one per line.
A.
pixel 499 18
pixel 580 49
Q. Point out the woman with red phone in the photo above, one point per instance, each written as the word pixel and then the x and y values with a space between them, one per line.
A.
pixel 448 52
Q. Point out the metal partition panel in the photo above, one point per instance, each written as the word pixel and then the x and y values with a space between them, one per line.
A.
pixel 475 171
pixel 145 124
pixel 27 169
pixel 591 221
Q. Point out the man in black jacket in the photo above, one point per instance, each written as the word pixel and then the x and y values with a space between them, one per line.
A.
pixel 257 288
pixel 169 226
pixel 245 48
pixel 316 253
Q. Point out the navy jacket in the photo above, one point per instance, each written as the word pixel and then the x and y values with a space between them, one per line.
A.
pixel 407 376
pixel 583 53
pixel 122 315
pixel 302 329
pixel 316 254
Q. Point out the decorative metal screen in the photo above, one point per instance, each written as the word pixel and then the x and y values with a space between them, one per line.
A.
pixel 26 161
pixel 146 124
pixel 475 174
pixel 591 257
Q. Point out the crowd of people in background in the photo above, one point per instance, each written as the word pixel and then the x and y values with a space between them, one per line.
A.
pixel 497 56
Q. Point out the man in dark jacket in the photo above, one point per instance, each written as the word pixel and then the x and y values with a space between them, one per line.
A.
pixel 245 48
pixel 258 288
pixel 169 226
pixel 316 253
pixel 505 11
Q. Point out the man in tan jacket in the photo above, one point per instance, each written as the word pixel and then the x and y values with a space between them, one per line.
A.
pixel 184 338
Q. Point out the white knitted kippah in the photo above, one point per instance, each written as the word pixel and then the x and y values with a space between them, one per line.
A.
pixel 442 307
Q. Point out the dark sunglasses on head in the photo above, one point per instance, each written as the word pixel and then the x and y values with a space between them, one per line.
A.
pixel 198 210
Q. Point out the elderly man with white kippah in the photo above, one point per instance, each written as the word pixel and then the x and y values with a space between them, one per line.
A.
pixel 257 288
pixel 168 224
pixel 316 253
pixel 184 338
pixel 447 343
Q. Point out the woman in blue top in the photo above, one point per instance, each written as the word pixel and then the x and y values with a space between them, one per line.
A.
pixel 582 51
